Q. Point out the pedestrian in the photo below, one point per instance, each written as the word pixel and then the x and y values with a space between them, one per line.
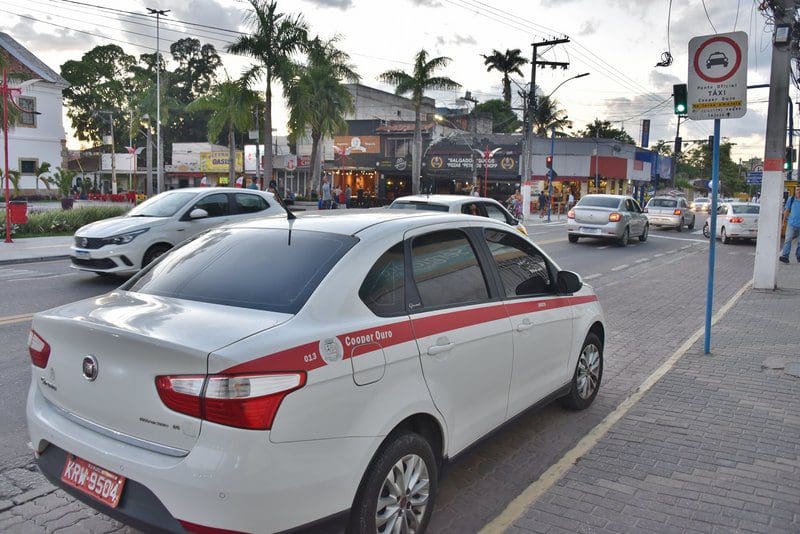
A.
pixel 347 194
pixel 791 214
pixel 542 202
pixel 204 181
pixel 570 201
pixel 326 193
pixel 475 191
pixel 253 184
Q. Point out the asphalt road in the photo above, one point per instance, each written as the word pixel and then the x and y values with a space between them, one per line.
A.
pixel 653 294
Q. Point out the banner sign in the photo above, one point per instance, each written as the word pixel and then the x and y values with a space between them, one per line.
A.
pixel 219 161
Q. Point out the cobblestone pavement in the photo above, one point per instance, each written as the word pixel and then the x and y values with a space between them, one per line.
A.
pixel 712 447
pixel 645 326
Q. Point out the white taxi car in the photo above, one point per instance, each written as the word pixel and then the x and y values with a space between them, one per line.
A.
pixel 123 245
pixel 468 205
pixel 332 384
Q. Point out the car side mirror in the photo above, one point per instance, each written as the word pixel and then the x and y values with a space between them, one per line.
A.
pixel 198 213
pixel 568 282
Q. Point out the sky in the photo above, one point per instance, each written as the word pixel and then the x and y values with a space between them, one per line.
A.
pixel 618 42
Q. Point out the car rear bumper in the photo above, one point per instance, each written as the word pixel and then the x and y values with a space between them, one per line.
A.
pixel 664 220
pixel 610 230
pixel 232 479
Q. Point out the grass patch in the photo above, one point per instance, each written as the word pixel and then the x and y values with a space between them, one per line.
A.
pixel 60 222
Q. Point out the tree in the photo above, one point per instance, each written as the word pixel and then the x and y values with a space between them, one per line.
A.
pixel 507 63
pixel 696 163
pixel 275 39
pixel 100 81
pixel 231 105
pixel 504 120
pixel 317 100
pixel 41 171
pixel 421 79
pixel 547 115
pixel 604 130
pixel 197 64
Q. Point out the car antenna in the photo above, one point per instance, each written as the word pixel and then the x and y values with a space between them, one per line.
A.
pixel 274 186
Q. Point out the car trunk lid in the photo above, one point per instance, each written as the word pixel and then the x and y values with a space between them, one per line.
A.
pixel 132 338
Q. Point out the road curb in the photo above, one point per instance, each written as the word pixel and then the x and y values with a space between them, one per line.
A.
pixel 34 260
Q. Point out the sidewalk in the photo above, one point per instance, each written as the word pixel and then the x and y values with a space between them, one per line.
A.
pixel 713 446
pixel 29 249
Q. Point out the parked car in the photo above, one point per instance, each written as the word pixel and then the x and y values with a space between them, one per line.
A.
pixel 615 217
pixel 274 372
pixel 737 220
pixel 700 204
pixel 123 245
pixel 672 212
pixel 469 205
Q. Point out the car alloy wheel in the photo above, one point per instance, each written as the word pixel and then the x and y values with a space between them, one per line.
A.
pixel 588 375
pixel 680 225
pixel 626 236
pixel 646 230
pixel 398 487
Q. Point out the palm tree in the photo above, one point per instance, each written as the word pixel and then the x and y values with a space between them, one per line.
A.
pixel 416 83
pixel 41 171
pixel 276 37
pixel 317 100
pixel 548 115
pixel 507 63
pixel 231 105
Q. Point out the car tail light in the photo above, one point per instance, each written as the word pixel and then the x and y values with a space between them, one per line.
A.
pixel 736 219
pixel 38 349
pixel 677 211
pixel 242 401
pixel 614 217
pixel 571 214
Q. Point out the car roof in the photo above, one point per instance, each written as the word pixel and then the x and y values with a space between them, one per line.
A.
pixel 353 223
pixel 606 196
pixel 444 199
pixel 218 190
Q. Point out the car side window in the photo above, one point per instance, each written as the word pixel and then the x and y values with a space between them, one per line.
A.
pixel 629 205
pixel 493 212
pixel 446 270
pixel 523 269
pixel 216 205
pixel 472 209
pixel 382 288
pixel 248 203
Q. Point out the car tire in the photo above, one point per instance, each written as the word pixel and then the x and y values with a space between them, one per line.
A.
pixel 646 230
pixel 723 236
pixel 403 454
pixel 153 253
pixel 691 226
pixel 587 376
pixel 572 238
pixel 680 225
pixel 626 235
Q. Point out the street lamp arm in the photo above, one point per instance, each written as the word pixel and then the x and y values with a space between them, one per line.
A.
pixel 565 81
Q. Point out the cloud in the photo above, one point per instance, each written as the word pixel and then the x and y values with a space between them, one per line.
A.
pixel 340 4
pixel 427 3
pixel 587 28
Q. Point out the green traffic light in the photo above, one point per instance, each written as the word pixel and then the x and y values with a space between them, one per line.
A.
pixel 680 108
pixel 680 98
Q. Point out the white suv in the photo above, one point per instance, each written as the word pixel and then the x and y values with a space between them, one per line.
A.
pixel 275 372
pixel 123 245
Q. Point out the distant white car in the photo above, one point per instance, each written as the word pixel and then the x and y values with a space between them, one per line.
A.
pixel 123 245
pixel 737 220
pixel 468 205
pixel 670 212
pixel 700 204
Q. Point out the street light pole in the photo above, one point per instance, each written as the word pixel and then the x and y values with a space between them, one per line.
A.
pixel 159 154
pixel 550 171
pixel 6 92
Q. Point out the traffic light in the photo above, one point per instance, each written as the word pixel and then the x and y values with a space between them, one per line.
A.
pixel 680 96
pixel 548 162
pixel 791 157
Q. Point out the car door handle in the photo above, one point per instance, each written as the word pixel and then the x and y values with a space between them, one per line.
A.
pixel 524 325
pixel 438 349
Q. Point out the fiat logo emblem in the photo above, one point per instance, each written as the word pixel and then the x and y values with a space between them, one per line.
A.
pixel 84 242
pixel 90 368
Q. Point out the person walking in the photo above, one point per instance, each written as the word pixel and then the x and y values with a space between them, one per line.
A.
pixel 791 214
pixel 326 193
pixel 253 184
pixel 347 194
pixel 542 204
pixel 570 201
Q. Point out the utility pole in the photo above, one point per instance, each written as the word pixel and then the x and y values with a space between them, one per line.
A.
pixel 159 153
pixel 113 151
pixel 765 269
pixel 528 142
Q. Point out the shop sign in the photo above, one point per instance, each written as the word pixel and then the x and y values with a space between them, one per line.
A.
pixel 219 161
pixel 442 163
pixel 356 144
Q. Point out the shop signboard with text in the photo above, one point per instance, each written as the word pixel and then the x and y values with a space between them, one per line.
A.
pixel 219 161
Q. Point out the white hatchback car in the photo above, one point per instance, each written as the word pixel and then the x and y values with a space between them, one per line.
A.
pixel 366 350
pixel 737 220
pixel 123 245
pixel 468 205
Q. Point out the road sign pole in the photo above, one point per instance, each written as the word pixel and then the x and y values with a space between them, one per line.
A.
pixel 713 239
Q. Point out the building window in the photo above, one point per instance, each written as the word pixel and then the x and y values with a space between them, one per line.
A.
pixel 398 148
pixel 28 166
pixel 28 115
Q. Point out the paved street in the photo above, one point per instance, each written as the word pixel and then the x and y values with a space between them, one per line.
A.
pixel 711 447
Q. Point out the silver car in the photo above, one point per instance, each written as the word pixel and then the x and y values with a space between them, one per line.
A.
pixel 615 217
pixel 700 204
pixel 671 212
pixel 737 220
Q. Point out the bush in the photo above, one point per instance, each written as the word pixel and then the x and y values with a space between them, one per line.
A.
pixel 60 222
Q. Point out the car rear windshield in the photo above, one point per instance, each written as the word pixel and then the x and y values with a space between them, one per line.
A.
pixel 599 202
pixel 256 268
pixel 418 206
pixel 743 209
pixel 663 203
